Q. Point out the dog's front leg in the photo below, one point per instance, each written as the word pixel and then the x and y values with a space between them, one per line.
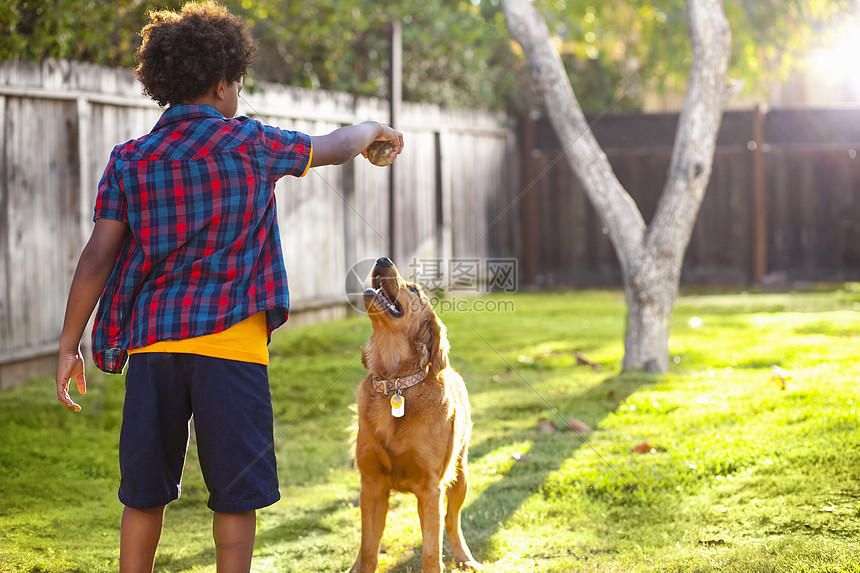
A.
pixel 373 501
pixel 430 514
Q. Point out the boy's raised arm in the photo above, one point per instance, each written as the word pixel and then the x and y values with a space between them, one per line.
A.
pixel 91 275
pixel 344 143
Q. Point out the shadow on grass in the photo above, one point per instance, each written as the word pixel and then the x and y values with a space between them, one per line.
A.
pixel 172 562
pixel 309 523
pixel 484 515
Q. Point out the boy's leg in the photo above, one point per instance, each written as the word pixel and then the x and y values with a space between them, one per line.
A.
pixel 234 540
pixel 235 436
pixel 152 445
pixel 154 433
pixel 235 442
pixel 139 535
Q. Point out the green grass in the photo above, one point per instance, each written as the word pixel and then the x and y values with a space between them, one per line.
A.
pixel 744 476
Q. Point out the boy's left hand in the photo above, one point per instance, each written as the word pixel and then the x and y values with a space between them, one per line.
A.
pixel 71 365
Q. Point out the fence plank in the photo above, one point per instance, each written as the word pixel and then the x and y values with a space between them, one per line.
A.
pixel 5 229
pixel 38 135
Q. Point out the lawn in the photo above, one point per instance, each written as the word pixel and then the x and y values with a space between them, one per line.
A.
pixel 714 466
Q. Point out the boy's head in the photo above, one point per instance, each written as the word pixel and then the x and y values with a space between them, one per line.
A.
pixel 184 54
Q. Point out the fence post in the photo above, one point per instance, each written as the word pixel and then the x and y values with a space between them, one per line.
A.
pixel 83 117
pixel 350 232
pixel 529 216
pixel 5 225
pixel 759 197
pixel 395 98
pixel 444 204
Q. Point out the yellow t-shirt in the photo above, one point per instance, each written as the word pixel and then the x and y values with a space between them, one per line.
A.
pixel 246 341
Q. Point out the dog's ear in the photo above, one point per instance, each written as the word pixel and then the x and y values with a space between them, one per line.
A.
pixel 433 345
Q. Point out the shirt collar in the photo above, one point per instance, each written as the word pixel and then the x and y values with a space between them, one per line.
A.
pixel 185 112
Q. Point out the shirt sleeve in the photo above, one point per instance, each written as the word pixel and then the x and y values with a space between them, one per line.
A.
pixel 287 152
pixel 110 201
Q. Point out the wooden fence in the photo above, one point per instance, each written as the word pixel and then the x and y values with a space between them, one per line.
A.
pixel 60 120
pixel 783 204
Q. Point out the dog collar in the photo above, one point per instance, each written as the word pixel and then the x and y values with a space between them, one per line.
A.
pixel 386 387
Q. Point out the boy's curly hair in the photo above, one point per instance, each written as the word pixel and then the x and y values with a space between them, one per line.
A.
pixel 184 54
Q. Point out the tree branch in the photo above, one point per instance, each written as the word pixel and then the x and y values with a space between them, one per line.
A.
pixel 698 127
pixel 586 158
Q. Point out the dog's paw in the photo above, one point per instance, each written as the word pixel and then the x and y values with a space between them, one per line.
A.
pixel 470 566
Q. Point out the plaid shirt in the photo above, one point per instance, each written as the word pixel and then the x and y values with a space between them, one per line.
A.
pixel 203 250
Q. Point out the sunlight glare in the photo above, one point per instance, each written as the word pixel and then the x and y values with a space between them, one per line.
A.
pixel 837 65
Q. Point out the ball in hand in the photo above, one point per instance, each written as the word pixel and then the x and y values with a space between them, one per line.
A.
pixel 379 153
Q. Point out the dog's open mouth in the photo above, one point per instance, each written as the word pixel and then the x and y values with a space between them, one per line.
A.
pixel 383 296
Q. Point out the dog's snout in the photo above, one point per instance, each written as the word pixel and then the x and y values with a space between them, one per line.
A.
pixel 384 262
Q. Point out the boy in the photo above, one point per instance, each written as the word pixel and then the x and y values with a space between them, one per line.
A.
pixel 186 258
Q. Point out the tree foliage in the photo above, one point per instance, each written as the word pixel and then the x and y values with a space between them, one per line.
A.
pixel 632 46
pixel 456 52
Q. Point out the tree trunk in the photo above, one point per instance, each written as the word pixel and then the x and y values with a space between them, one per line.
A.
pixel 651 257
pixel 649 311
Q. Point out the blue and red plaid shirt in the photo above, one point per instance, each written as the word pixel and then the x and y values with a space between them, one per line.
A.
pixel 203 250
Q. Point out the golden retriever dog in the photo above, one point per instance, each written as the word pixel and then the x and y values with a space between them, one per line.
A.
pixel 413 422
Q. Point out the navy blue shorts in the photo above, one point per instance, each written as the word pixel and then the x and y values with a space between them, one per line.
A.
pixel 232 408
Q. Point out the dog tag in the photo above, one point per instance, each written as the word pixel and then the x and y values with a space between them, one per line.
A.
pixel 397 403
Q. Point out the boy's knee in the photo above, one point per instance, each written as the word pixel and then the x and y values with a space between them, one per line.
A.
pixel 234 529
